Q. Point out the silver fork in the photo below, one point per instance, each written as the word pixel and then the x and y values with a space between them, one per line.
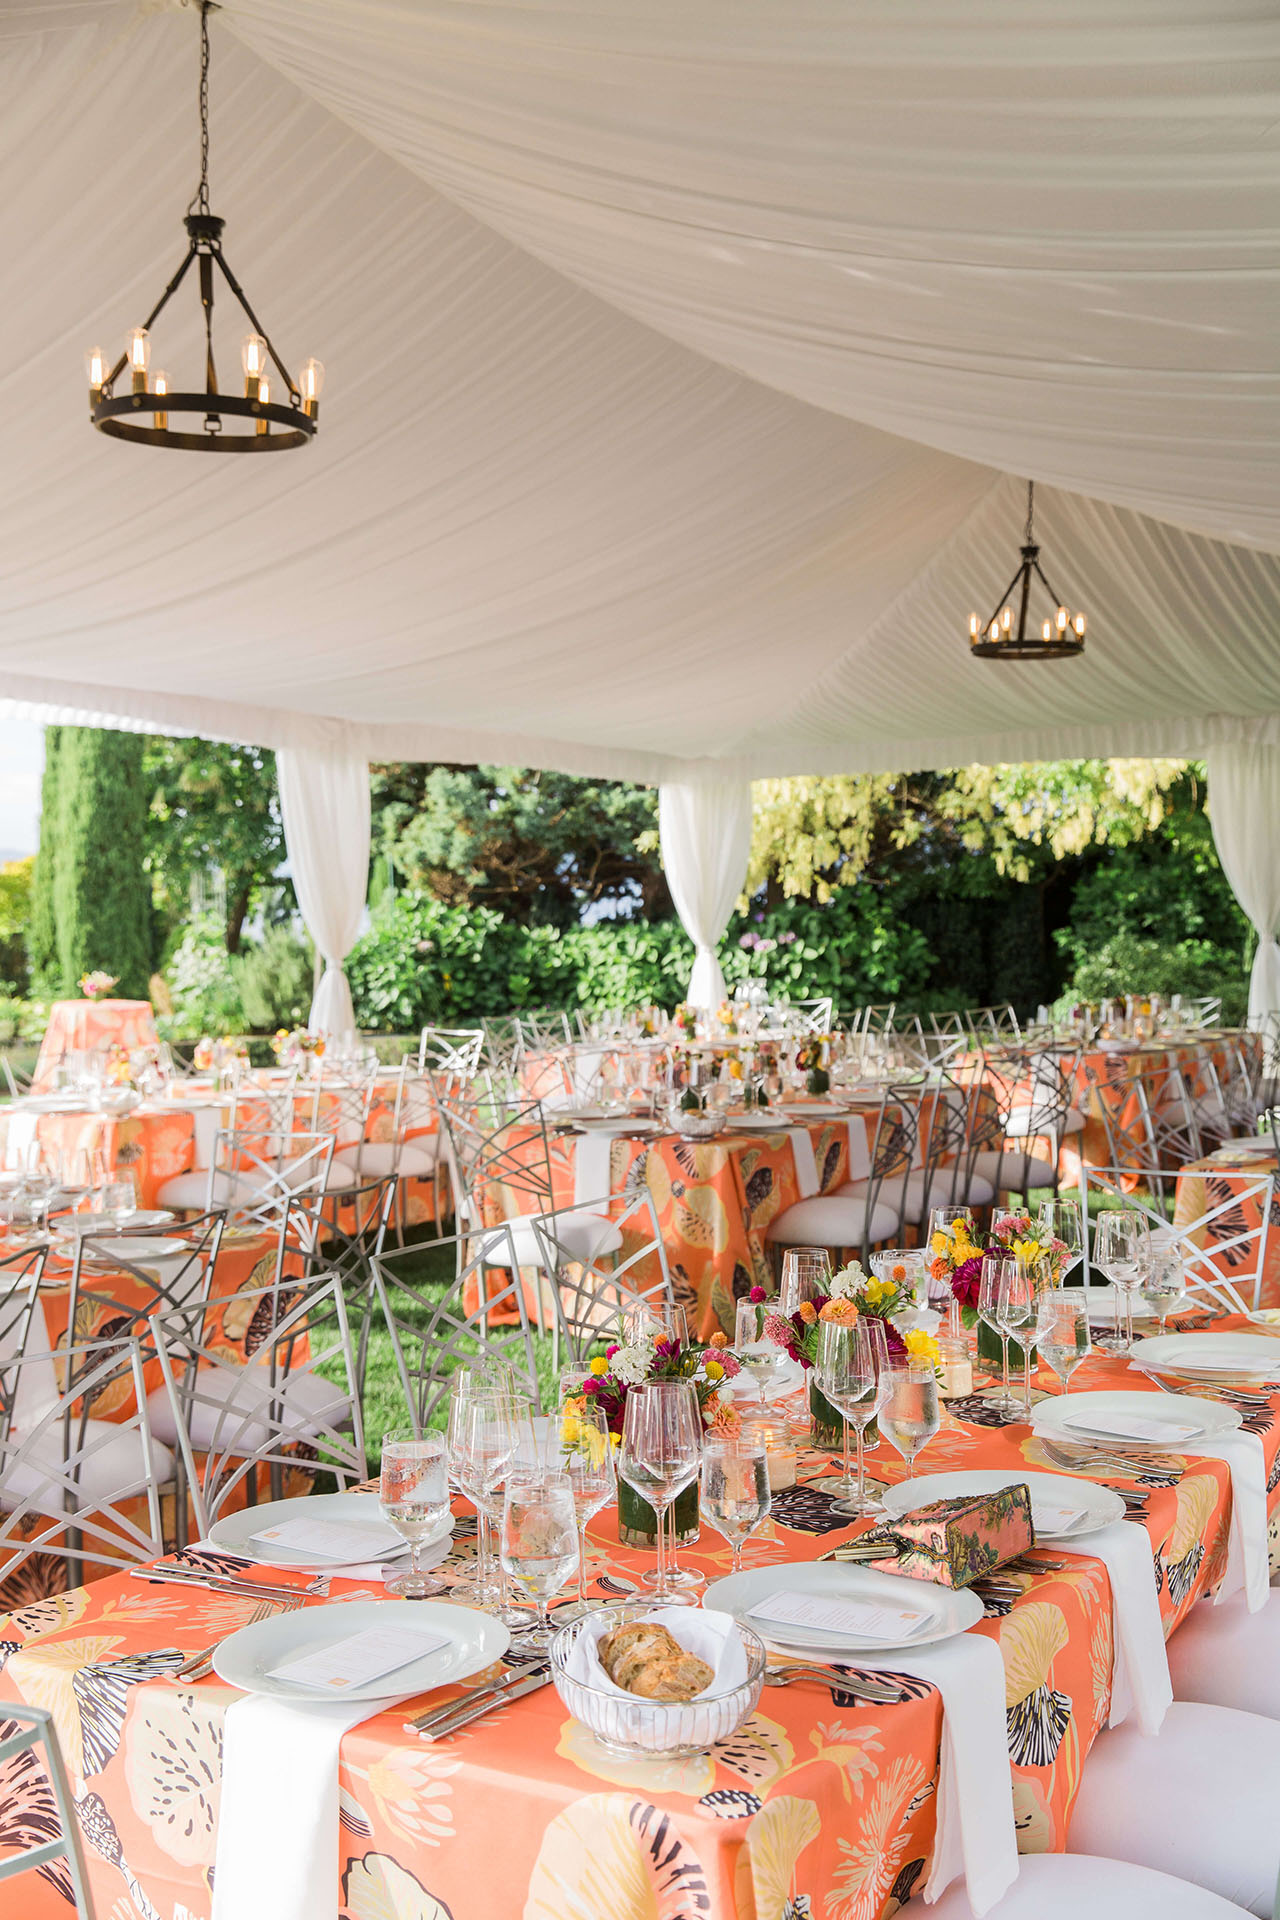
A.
pixel 201 1663
pixel 880 1692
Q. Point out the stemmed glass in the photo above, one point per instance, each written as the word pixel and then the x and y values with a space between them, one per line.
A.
pixel 735 1488
pixel 1062 1326
pixel 1016 1317
pixel 414 1496
pixel 1121 1248
pixel 1062 1219
pixel 587 1460
pixel 1164 1282
pixel 806 1271
pixel 539 1547
pixel 659 1457
pixel 943 1217
pixel 852 1367
pixel 993 1266
pixel 491 1428
pixel 910 1417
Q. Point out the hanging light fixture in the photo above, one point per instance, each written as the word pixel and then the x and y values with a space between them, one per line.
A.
pixel 1009 634
pixel 232 423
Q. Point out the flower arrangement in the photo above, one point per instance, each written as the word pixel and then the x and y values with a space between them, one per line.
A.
pixel 119 1069
pixel 853 1293
pixel 1026 1239
pixel 727 1019
pixel 292 1043
pixel 94 985
pixel 685 1020
pixel 811 1058
pixel 957 1257
pixel 210 1053
pixel 620 1368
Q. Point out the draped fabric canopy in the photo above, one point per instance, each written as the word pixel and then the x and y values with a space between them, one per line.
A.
pixel 684 366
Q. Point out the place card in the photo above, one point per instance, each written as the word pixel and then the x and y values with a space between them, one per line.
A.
pixel 1131 1426
pixel 359 1658
pixel 853 1619
pixel 332 1539
pixel 1048 1516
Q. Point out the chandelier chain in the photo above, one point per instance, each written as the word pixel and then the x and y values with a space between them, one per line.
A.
pixel 1028 537
pixel 199 202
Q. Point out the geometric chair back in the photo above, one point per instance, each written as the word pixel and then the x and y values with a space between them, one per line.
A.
pixel 39 1806
pixel 592 1295
pixel 1223 1249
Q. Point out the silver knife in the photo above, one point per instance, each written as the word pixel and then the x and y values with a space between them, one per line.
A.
pixel 219 1583
pixel 466 1714
pixel 445 1711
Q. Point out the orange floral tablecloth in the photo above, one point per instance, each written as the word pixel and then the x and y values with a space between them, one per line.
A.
pixel 1106 1079
pixel 817 1805
pixel 91 1026
pixel 1205 1185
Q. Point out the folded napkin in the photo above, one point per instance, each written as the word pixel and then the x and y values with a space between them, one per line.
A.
pixel 277 1849
pixel 1248 1553
pixel 806 1161
pixel 976 1839
pixel 1140 1681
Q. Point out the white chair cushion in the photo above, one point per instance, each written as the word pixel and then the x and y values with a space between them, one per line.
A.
pixel 833 1220
pixel 415 1160
pixel 1069 1886
pixel 113 1467
pixel 1228 1657
pixel 189 1192
pixel 238 1394
pixel 1013 1171
pixel 941 1188
pixel 1029 1123
pixel 583 1235
pixel 1199 1801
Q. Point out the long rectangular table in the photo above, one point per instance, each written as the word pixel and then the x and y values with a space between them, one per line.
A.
pixel 818 1798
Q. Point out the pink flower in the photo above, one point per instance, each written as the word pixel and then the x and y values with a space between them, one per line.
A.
pixel 610 1351
pixel 966 1282
pixel 730 1362
pixel 756 1295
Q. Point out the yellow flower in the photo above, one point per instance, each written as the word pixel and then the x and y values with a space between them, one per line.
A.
pixel 599 1365
pixel 713 1370
pixel 940 1243
pixel 878 1291
pixel 922 1346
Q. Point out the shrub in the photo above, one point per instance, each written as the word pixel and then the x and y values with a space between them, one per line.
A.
pixel 274 980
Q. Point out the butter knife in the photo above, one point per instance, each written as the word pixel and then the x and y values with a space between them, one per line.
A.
pixel 446 1710
pixel 478 1708
pixel 220 1583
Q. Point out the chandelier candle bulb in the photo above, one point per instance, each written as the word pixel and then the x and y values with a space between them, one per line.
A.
pixel 311 383
pixel 253 358
pixel 95 366
pixel 264 394
pixel 160 388
pixel 139 357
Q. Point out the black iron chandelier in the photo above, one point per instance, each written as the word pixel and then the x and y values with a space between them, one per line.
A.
pixel 1010 634
pixel 254 423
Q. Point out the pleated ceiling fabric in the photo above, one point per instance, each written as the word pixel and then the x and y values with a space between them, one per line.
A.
pixel 684 365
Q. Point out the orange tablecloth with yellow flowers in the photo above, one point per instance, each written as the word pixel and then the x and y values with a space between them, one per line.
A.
pixel 1106 1079
pixel 92 1026
pixel 819 1804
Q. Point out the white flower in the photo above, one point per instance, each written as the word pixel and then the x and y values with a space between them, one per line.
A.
pixel 849 1282
pixel 631 1365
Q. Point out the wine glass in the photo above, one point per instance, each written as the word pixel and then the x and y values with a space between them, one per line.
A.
pixel 414 1496
pixel 587 1461
pixel 943 1218
pixel 909 1417
pixel 539 1546
pixel 658 1459
pixel 491 1427
pixel 1163 1282
pixel 993 1266
pixel 1016 1316
pixel 910 1262
pixel 735 1488
pixel 763 1359
pixel 852 1370
pixel 1062 1325
pixel 806 1271
pixel 1062 1219
pixel 117 1199
pixel 1121 1247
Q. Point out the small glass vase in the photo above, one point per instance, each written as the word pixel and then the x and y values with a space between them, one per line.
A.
pixel 638 1523
pixel 828 1423
pixel 990 1355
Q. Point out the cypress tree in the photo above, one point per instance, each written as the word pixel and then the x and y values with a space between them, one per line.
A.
pixel 91 888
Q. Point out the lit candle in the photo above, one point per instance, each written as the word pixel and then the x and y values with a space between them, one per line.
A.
pixel 162 388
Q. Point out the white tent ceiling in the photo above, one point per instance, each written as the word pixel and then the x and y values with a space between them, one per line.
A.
pixel 680 356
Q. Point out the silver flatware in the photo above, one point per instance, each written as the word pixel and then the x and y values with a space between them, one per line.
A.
pixel 229 1583
pixel 503 1684
pixel 198 1665
pixel 1086 1458
pixel 477 1710
pixel 877 1691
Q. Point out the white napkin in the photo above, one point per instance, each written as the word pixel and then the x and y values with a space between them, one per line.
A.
pixel 591 1167
pixel 859 1149
pixel 1140 1682
pixel 976 1839
pixel 806 1161
pixel 712 1636
pixel 277 1850
pixel 1248 1556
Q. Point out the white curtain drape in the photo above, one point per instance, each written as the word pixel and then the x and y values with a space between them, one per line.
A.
pixel 1244 808
pixel 324 797
pixel 706 843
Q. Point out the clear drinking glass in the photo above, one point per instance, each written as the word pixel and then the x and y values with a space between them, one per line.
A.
pixel 943 1217
pixel 1016 1317
pixel 910 1417
pixel 1062 1324
pixel 735 1495
pixel 1164 1282
pixel 886 1264
pixel 852 1371
pixel 993 1266
pixel 539 1547
pixel 763 1359
pixel 587 1462
pixel 117 1199
pixel 1121 1247
pixel 414 1495
pixel 806 1271
pixel 491 1428
pixel 659 1456
pixel 1062 1219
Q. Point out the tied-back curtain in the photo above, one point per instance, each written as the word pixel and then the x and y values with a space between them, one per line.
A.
pixel 324 798
pixel 1244 809
pixel 706 842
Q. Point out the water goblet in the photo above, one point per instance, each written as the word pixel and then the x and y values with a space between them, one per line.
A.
pixel 414 1496
pixel 1163 1282
pixel 539 1547
pixel 586 1448
pixel 1062 1326
pixel 993 1266
pixel 910 1415
pixel 1122 1246
pixel 659 1456
pixel 735 1488
pixel 806 1271
pixel 1016 1316
pixel 852 1371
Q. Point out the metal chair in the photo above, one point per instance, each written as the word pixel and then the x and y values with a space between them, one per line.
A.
pixel 451 1053
pixel 589 1297
pixel 434 1328
pixel 1223 1255
pixel 40 1811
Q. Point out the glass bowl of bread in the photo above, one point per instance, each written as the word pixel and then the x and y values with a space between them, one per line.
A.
pixel 662 1682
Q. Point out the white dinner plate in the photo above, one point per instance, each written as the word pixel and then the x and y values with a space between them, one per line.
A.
pixel 139 1251
pixel 1083 1417
pixel 1242 1142
pixel 244 1659
pixel 817 1110
pixel 614 1129
pixel 949 1612
pixel 771 1121
pixel 1101 1506
pixel 1210 1353
pixel 234 1532
pixel 97 1224
pixel 1105 1308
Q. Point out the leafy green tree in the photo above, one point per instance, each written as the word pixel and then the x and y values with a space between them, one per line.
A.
pixel 93 898
pixel 15 916
pixel 535 846
pixel 213 804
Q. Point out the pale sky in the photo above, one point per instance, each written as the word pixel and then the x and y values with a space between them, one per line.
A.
pixel 21 764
